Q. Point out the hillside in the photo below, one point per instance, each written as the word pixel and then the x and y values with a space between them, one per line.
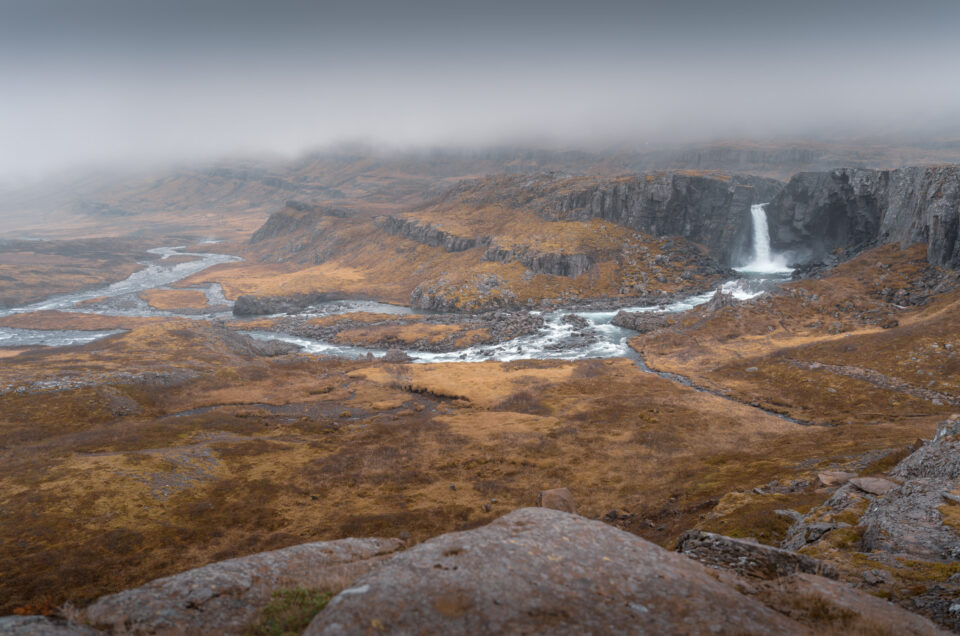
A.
pixel 230 199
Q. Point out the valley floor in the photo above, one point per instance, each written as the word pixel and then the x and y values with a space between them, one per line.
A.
pixel 181 442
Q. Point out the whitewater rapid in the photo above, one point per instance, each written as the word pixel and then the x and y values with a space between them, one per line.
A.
pixel 558 339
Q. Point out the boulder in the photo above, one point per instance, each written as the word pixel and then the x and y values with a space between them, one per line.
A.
pixel 557 499
pixel 747 558
pixel 835 477
pixel 226 597
pixel 873 485
pixel 643 322
pixel 543 571
pixel 397 356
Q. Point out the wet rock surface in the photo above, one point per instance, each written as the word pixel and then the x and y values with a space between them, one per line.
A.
pixel 537 571
pixel 226 597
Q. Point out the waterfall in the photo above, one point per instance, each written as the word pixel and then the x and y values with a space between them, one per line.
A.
pixel 762 261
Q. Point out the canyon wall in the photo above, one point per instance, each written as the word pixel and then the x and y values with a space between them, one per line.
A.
pixel 711 210
pixel 819 212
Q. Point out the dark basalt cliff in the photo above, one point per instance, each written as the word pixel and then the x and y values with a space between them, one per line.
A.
pixel 819 212
pixel 709 210
pixel 429 234
pixel 553 263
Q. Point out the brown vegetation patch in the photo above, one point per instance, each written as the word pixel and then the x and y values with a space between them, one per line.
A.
pixel 109 486
pixel 174 299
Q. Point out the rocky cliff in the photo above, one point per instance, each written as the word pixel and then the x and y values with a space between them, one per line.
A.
pixel 429 234
pixel 819 212
pixel 713 210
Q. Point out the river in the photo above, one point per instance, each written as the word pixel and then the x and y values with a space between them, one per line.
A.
pixel 557 339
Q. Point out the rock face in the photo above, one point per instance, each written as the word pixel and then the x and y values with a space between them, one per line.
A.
pixel 906 519
pixel 553 263
pixel 708 210
pixel 226 597
pixel 543 571
pixel 902 521
pixel 819 212
pixel 748 559
pixel 428 234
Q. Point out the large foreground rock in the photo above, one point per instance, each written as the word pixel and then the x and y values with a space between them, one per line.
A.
pixel 226 597
pixel 42 626
pixel 537 570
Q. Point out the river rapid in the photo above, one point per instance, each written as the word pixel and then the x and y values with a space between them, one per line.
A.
pixel 558 339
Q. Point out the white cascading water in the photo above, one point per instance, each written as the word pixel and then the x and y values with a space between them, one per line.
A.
pixel 762 262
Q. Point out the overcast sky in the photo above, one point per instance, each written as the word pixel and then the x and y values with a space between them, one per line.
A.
pixel 86 82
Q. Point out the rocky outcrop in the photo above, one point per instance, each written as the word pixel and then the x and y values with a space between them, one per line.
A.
pixel 537 570
pixel 552 263
pixel 486 292
pixel 820 212
pixel 428 234
pixel 226 597
pixel 251 305
pixel 901 520
pixel 906 518
pixel 709 210
pixel 747 558
pixel 642 321
pixel 247 345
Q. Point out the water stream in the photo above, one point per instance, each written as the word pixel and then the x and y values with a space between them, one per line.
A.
pixel 557 339
pixel 121 298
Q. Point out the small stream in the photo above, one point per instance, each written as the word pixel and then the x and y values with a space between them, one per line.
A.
pixel 122 298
